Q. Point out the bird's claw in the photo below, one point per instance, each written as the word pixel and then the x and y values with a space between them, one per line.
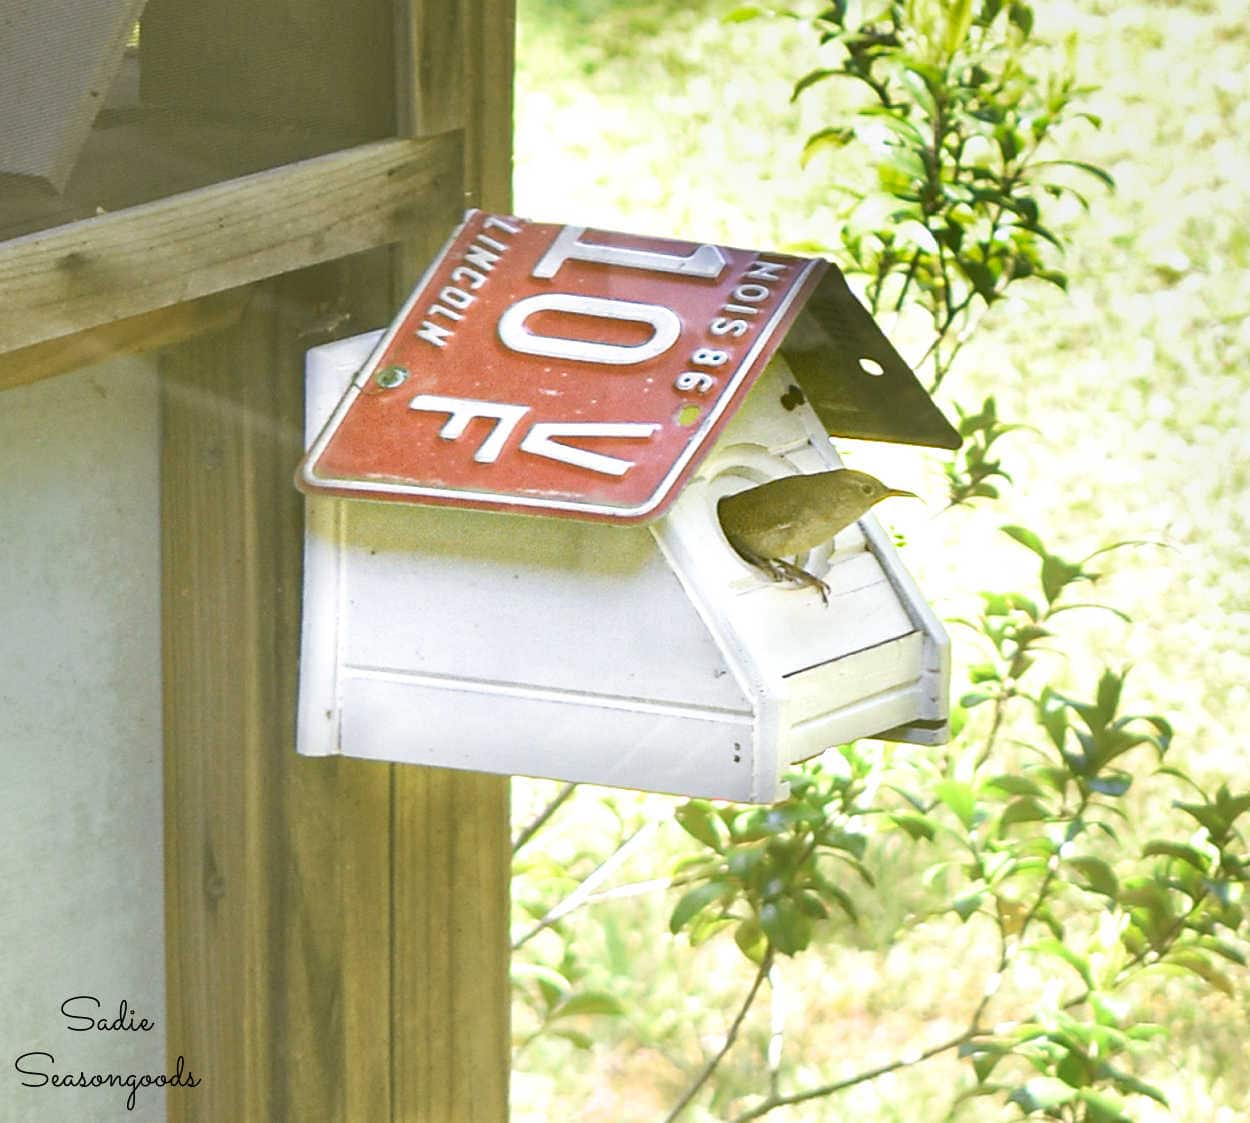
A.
pixel 778 569
pixel 797 573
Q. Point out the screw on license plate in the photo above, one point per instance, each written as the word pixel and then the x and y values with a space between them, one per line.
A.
pixel 390 377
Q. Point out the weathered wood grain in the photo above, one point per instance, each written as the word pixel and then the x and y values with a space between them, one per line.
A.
pixel 135 335
pixel 431 49
pixel 452 852
pixel 490 36
pixel 121 265
pixel 278 869
pixel 336 929
pixel 451 1013
pixel 144 154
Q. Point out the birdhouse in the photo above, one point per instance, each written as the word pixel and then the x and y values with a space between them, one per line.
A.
pixel 514 561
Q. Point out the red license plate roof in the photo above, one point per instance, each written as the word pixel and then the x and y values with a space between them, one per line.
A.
pixel 558 370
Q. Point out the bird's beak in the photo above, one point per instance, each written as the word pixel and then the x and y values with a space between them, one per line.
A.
pixel 902 494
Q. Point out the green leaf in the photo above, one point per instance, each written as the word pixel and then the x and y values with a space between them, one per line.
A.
pixel 751 940
pixel 813 906
pixel 1054 718
pixel 696 900
pixel 812 77
pixel 788 927
pixel 1014 784
pixel 835 136
pixel 1057 574
pixel 1053 277
pixel 900 126
pixel 958 20
pixel 1024 809
pixel 983 1066
pixel 985 1054
pixel 1223 948
pixel 1091 169
pixel 1010 141
pixel 551 984
pixel 989 12
pixel 1099 876
pixel 744 861
pixel 1209 816
pixel 1102 1108
pixel 1114 784
pixel 1026 538
pixel 981 278
pixel 917 826
pixel 698 820
pixel 838 896
pixel 1041 1094
pixel 960 798
pixel 1021 15
pixel 589 1002
pixel 1127 1082
pixel 1075 1069
pixel 1110 686
pixel 1147 1031
pixel 1162 848
pixel 1231 806
pixel 983 672
pixel 966 905
pixel 745 13
pixel 920 80
pixel 706 925
pixel 1060 950
pixel 1141 892
pixel 1199 964
pixel 575 1037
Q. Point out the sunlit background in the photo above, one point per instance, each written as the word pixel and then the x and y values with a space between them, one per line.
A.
pixel 664 119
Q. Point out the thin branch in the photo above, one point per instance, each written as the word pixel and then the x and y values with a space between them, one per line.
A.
pixel 730 1038
pixel 774 1102
pixel 543 816
pixel 907 280
pixel 940 333
pixel 581 894
pixel 777 1028
pixel 639 888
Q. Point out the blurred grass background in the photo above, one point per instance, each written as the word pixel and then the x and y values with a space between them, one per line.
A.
pixel 663 119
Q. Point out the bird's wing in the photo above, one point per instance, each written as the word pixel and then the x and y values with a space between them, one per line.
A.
pixel 776 519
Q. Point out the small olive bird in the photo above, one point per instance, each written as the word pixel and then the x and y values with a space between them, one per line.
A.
pixel 789 516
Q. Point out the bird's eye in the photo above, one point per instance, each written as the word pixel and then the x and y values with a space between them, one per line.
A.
pixel 865 489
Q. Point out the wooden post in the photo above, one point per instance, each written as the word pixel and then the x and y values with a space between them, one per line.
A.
pixel 337 942
pixel 452 857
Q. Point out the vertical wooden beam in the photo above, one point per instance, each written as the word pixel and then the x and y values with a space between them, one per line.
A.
pixel 278 891
pixel 337 930
pixel 452 857
pixel 451 991
pixel 490 49
pixel 455 67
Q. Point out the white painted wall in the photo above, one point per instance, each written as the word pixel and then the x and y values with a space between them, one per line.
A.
pixel 80 760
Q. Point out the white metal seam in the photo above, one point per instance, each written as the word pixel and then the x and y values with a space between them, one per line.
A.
pixel 548 694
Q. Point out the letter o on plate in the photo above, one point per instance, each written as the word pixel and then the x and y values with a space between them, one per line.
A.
pixel 665 328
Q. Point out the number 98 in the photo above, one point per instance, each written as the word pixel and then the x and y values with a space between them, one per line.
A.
pixel 694 380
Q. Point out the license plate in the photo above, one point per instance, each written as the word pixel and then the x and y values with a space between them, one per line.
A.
pixel 558 370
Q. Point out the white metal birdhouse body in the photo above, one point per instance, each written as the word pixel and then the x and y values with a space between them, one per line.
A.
pixel 610 652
